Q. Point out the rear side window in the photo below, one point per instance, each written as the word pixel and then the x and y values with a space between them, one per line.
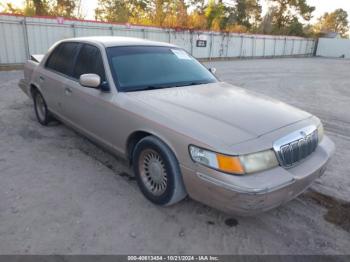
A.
pixel 89 61
pixel 62 58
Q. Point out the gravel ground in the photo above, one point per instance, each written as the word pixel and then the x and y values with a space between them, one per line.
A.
pixel 60 194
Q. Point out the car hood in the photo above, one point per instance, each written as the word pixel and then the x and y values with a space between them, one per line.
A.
pixel 228 112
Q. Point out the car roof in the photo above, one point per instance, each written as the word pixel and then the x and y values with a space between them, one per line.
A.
pixel 109 41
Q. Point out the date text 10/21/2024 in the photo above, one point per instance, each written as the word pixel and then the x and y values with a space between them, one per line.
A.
pixel 174 258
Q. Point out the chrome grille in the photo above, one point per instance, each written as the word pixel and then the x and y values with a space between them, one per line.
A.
pixel 296 146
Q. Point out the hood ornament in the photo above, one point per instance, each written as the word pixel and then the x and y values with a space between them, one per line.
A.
pixel 303 134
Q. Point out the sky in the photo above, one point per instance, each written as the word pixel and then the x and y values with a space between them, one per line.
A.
pixel 322 6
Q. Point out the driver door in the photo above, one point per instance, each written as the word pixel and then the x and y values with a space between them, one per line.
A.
pixel 88 108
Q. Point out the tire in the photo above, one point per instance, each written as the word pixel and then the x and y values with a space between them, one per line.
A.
pixel 157 172
pixel 42 113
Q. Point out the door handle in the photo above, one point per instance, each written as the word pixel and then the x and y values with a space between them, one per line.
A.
pixel 68 91
pixel 41 78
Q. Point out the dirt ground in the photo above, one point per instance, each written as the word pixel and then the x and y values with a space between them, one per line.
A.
pixel 60 194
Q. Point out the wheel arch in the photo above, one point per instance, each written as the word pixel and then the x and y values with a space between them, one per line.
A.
pixel 136 136
pixel 32 89
pixel 131 142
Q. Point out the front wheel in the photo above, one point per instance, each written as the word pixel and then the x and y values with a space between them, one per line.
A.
pixel 157 172
pixel 42 113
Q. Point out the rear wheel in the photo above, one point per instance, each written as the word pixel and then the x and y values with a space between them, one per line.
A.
pixel 42 113
pixel 157 172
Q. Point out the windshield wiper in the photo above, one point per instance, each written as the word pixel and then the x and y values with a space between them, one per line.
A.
pixel 154 87
pixel 150 87
pixel 191 84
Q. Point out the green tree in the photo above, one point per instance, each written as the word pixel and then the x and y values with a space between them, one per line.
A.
pixel 284 17
pixel 176 14
pixel 287 10
pixel 215 12
pixel 295 28
pixel 65 8
pixel 198 6
pixel 336 21
pixel 36 7
pixel 148 12
pixel 118 10
pixel 266 25
pixel 246 13
pixel 197 19
pixel 163 13
pixel 10 9
pixel 158 11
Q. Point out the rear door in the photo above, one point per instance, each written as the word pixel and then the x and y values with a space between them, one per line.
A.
pixel 58 68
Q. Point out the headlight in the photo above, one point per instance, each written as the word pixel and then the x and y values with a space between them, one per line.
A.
pixel 228 164
pixel 259 161
pixel 320 132
pixel 234 164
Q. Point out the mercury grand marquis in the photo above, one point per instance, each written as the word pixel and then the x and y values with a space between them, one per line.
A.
pixel 182 130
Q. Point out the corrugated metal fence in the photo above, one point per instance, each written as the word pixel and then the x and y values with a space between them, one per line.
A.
pixel 21 36
pixel 333 47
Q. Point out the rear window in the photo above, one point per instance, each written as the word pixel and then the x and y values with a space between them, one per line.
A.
pixel 62 58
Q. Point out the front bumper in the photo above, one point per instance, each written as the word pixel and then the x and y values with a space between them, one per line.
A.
pixel 255 193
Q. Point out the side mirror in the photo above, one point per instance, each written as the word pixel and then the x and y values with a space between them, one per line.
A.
pixel 90 80
pixel 212 70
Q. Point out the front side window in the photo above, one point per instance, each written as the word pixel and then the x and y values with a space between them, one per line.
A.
pixel 89 61
pixel 62 58
pixel 148 67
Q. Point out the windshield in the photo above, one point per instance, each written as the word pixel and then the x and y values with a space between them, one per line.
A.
pixel 137 68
